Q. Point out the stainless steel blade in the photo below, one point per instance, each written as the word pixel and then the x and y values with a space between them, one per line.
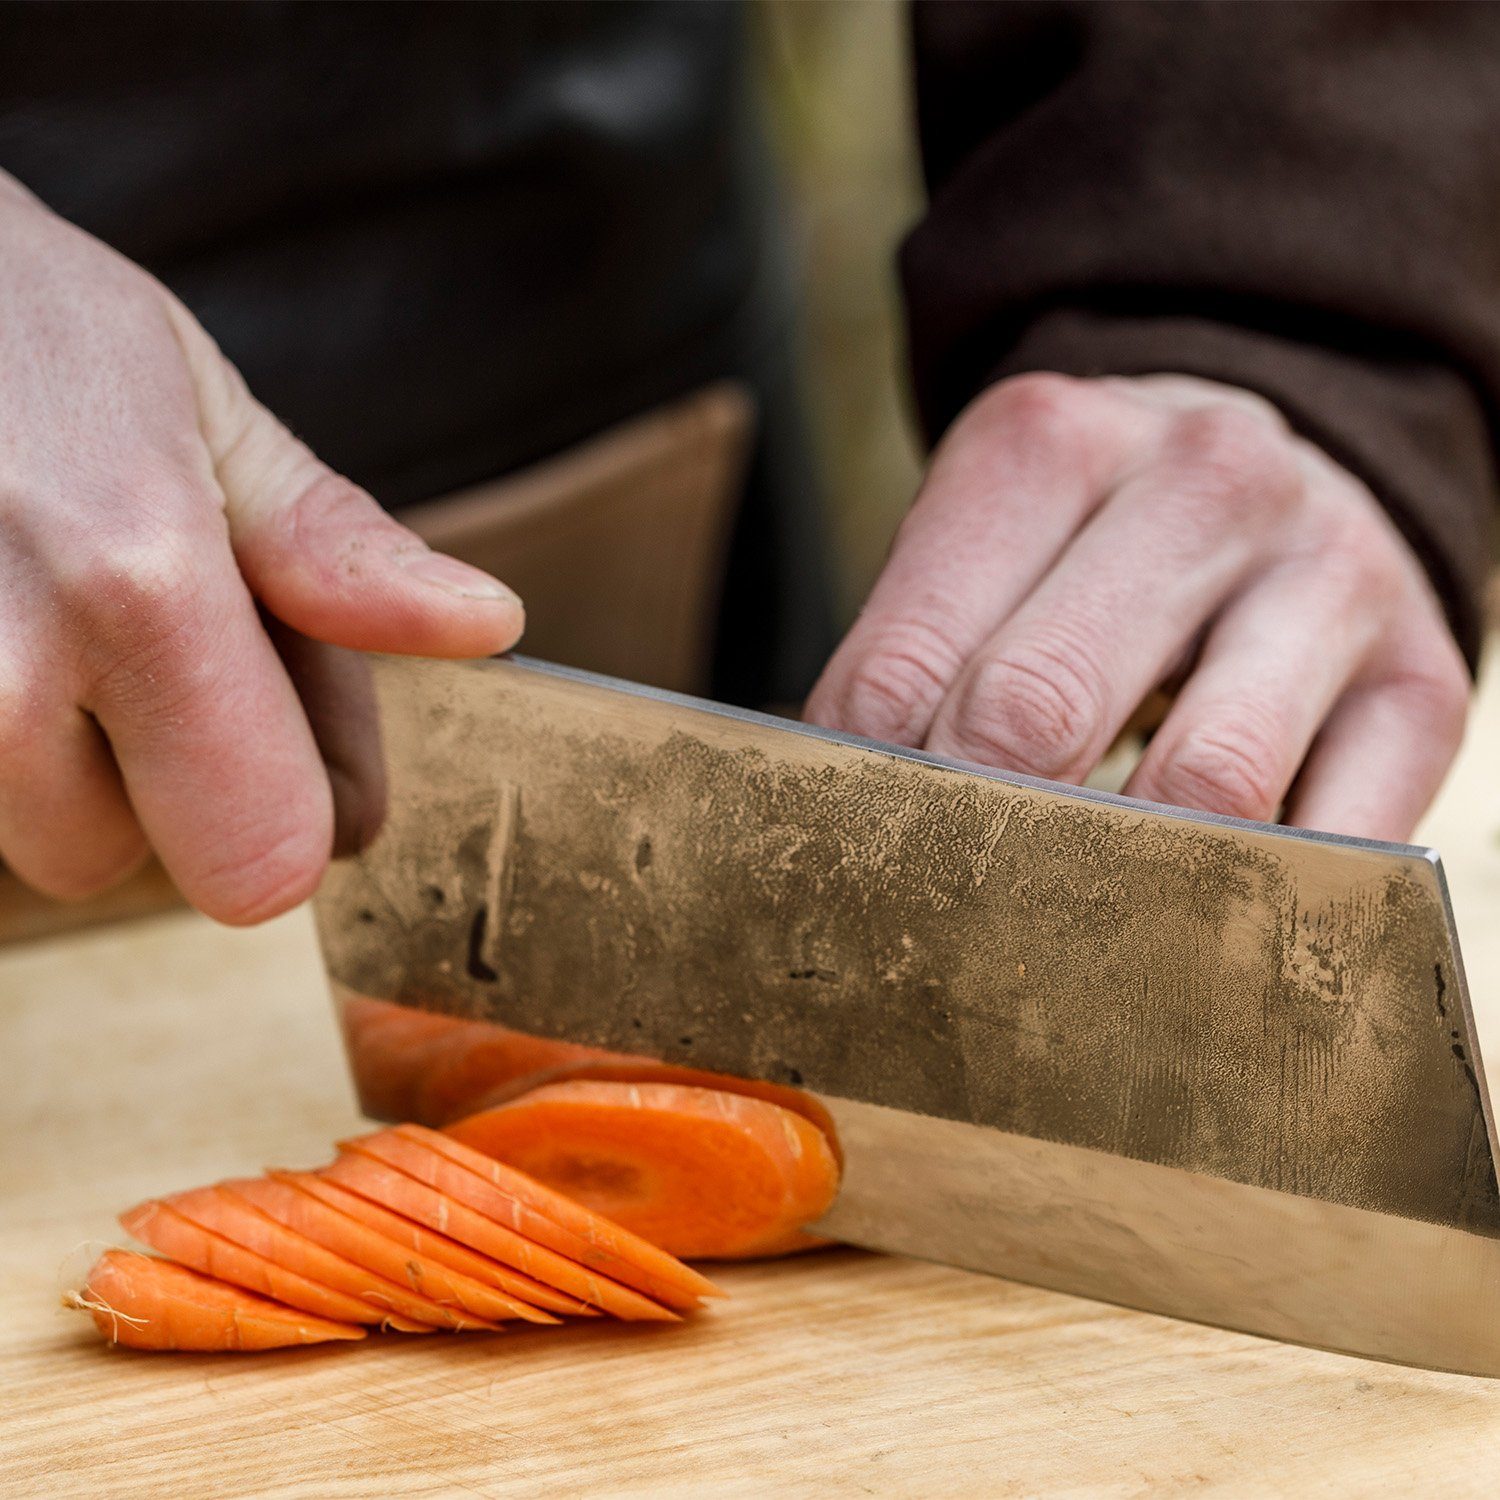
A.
pixel 1210 1068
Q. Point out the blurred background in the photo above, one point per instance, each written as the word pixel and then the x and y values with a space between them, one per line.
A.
pixel 837 88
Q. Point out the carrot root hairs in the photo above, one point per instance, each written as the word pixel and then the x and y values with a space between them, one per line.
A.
pixel 143 1302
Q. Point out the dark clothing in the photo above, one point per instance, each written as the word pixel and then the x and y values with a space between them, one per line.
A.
pixel 1302 199
pixel 442 241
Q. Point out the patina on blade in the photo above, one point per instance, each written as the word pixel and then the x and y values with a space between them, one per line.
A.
pixel 589 860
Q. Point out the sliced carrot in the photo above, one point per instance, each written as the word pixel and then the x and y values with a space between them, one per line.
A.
pixel 509 1197
pixel 372 1179
pixel 387 1046
pixel 437 1247
pixel 700 1172
pixel 411 1064
pixel 474 1059
pixel 189 1244
pixel 369 1248
pixel 146 1303
pixel 623 1069
pixel 436 1070
pixel 219 1209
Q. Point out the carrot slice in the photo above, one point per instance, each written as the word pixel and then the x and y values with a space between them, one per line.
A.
pixel 624 1069
pixel 412 1064
pixel 640 1262
pixel 510 1198
pixel 218 1209
pixel 700 1172
pixel 147 1303
pixel 437 1247
pixel 375 1252
pixel 372 1179
pixel 189 1244
pixel 459 1071
pixel 387 1046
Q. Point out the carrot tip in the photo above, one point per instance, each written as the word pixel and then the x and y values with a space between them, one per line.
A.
pixel 151 1303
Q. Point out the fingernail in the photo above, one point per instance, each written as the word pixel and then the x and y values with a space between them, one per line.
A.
pixel 455 577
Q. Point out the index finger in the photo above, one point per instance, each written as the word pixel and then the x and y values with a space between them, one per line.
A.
pixel 1008 487
pixel 216 754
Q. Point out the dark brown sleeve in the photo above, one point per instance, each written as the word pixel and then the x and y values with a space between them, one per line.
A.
pixel 1302 199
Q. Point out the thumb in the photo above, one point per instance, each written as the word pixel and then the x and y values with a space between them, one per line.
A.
pixel 317 550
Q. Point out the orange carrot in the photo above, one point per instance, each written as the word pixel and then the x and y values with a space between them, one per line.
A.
pixel 412 1064
pixel 387 1046
pixel 464 1068
pixel 220 1210
pixel 372 1179
pixel 623 1069
pixel 644 1265
pixel 189 1244
pixel 699 1172
pixel 437 1247
pixel 147 1303
pixel 430 1069
pixel 501 1193
pixel 368 1248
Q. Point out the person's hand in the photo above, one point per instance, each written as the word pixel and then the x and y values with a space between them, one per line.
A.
pixel 148 505
pixel 1078 543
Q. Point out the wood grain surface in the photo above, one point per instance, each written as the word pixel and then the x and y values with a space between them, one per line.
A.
pixel 168 1052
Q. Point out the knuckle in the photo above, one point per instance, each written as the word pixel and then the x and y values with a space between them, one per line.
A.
pixel 1030 710
pixel 1228 768
pixel 135 604
pixel 893 688
pixel 134 582
pixel 1362 564
pixel 1236 460
pixel 1374 575
pixel 1353 576
pixel 1041 405
pixel 1345 520
pixel 1221 434
pixel 1437 689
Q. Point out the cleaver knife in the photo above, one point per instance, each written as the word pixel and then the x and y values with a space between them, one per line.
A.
pixel 1220 1070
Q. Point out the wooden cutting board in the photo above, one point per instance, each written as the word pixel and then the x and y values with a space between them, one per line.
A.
pixel 169 1052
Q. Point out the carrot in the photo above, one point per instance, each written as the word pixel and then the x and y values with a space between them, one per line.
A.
pixel 189 1244
pixel 501 1193
pixel 419 1066
pixel 387 1046
pixel 624 1069
pixel 699 1172
pixel 367 1247
pixel 437 1247
pixel 147 1303
pixel 463 1069
pixel 412 1064
pixel 372 1179
pixel 219 1209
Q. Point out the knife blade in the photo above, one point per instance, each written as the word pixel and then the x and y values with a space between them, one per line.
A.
pixel 1220 1070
